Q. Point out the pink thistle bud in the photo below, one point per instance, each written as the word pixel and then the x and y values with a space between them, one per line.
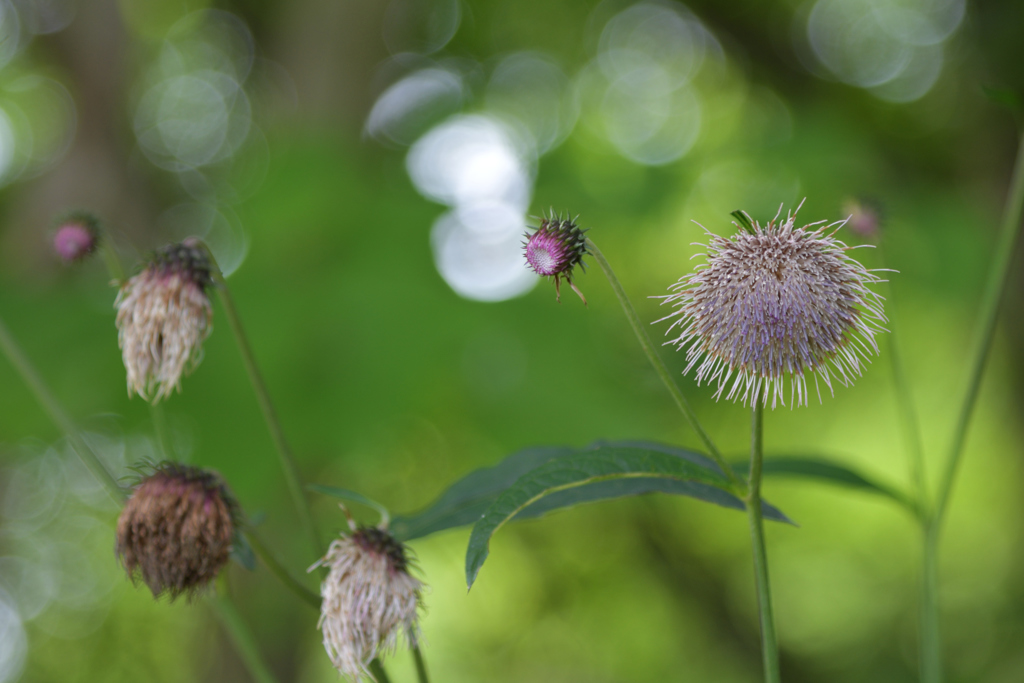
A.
pixel 175 532
pixel 777 302
pixel 864 217
pixel 76 237
pixel 554 249
pixel 369 599
pixel 163 317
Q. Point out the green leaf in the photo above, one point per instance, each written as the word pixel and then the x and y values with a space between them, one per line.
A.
pixel 467 499
pixel 1011 99
pixel 829 472
pixel 352 496
pixel 744 220
pixel 604 464
pixel 241 551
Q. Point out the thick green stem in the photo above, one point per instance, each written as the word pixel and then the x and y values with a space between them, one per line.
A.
pixel 291 470
pixel 60 418
pixel 930 645
pixel 661 370
pixel 421 666
pixel 999 275
pixel 377 669
pixel 281 572
pixel 245 643
pixel 769 645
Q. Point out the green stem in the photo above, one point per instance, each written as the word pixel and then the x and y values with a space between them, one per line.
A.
pixel 930 638
pixel 159 417
pixel 56 413
pixel 421 666
pixel 999 275
pixel 769 645
pixel 111 259
pixel 240 634
pixel 377 669
pixel 291 470
pixel 911 426
pixel 281 572
pixel 661 370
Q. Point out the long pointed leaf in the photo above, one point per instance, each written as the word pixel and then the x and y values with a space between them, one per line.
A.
pixel 469 497
pixel 601 464
pixel 832 473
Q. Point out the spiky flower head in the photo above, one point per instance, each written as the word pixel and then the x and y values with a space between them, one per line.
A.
pixel 555 248
pixel 776 302
pixel 369 599
pixel 176 530
pixel 76 237
pixel 163 317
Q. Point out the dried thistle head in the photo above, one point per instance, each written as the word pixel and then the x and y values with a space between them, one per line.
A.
pixel 163 317
pixel 554 249
pixel 176 530
pixel 369 599
pixel 76 237
pixel 776 302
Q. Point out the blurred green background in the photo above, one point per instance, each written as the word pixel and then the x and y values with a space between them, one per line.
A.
pixel 364 169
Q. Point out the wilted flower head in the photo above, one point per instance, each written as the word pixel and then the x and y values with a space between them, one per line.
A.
pixel 175 531
pixel 369 598
pixel 554 249
pixel 76 237
pixel 774 302
pixel 163 317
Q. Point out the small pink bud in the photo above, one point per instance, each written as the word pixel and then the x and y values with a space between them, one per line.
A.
pixel 77 237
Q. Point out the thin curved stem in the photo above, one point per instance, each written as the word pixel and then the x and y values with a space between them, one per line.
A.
pixel 662 371
pixel 163 437
pixel 52 407
pixel 994 289
pixel 930 647
pixel 377 669
pixel 281 572
pixel 421 665
pixel 241 636
pixel 769 644
pixel 291 470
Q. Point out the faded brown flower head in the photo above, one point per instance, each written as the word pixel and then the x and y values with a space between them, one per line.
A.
pixel 163 317
pixel 175 531
pixel 777 302
pixel 369 599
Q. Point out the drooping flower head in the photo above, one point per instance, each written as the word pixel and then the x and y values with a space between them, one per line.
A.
pixel 76 237
pixel 776 302
pixel 369 599
pixel 555 248
pixel 163 317
pixel 176 530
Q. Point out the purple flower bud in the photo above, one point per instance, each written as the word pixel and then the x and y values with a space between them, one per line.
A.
pixel 554 249
pixel 773 303
pixel 864 217
pixel 76 237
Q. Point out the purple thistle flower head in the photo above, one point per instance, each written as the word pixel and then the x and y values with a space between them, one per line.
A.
pixel 776 302
pixel 554 249
pixel 76 237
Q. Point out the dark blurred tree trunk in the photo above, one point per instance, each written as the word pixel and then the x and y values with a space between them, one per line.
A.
pixel 97 173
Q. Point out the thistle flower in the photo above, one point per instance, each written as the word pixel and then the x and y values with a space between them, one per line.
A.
pixel 554 249
pixel 175 532
pixel 774 302
pixel 864 217
pixel 369 598
pixel 76 237
pixel 163 317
